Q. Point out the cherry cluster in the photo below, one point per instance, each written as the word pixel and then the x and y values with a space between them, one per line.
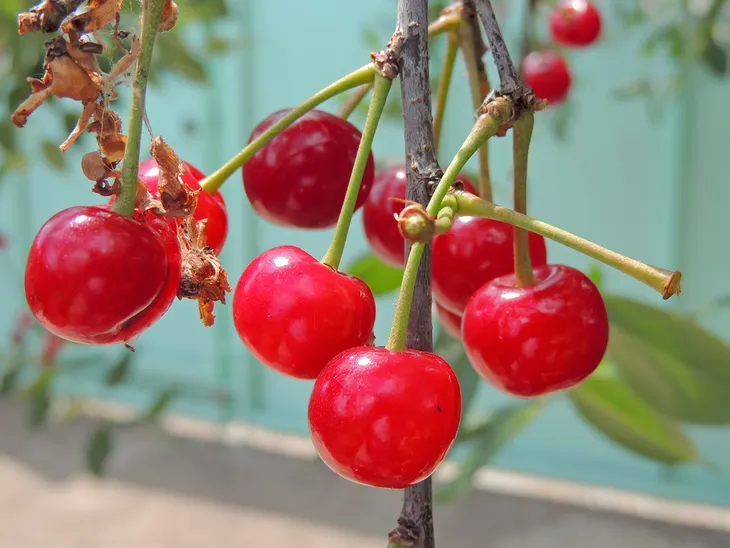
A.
pixel 573 24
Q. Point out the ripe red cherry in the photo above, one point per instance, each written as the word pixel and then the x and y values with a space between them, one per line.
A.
pixel 381 230
pixel 295 314
pixel 473 252
pixel 547 73
pixel 575 23
pixel 451 322
pixel 384 418
pixel 210 206
pixel 299 179
pixel 529 341
pixel 115 273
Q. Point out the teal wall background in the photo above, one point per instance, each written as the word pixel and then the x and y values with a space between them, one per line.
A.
pixel 655 189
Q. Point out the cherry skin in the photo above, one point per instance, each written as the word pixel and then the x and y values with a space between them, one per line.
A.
pixel 295 314
pixel 547 73
pixel 449 321
pixel 381 230
pixel 473 252
pixel 113 271
pixel 299 178
pixel 575 23
pixel 384 418
pixel 529 341
pixel 210 206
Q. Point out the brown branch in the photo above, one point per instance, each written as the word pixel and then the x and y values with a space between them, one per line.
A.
pixel 526 42
pixel 47 16
pixel 415 524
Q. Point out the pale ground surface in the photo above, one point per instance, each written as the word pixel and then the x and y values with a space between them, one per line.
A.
pixel 172 493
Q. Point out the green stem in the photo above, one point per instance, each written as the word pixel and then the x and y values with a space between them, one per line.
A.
pixel 446 214
pixel 479 88
pixel 381 87
pixel 485 127
pixel 446 22
pixel 522 133
pixel 126 200
pixel 349 106
pixel 361 76
pixel 399 331
pixel 663 281
pixel 442 94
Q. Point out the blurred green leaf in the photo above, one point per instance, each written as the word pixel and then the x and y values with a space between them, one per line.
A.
pixel 380 277
pixel 40 405
pixel 120 370
pixel 177 58
pixel 452 351
pixel 715 57
pixel 610 406
pixel 53 154
pixel 98 449
pixel 160 404
pixel 9 381
pixel 493 434
pixel 596 274
pixel 41 383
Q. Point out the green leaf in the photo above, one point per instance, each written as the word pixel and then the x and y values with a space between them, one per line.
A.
pixel 119 372
pixel 160 404
pixel 452 351
pixel 495 432
pixel 53 154
pixel 174 56
pixel 9 381
pixel 715 57
pixel 596 275
pixel 98 449
pixel 616 411
pixel 40 405
pixel 41 383
pixel 380 277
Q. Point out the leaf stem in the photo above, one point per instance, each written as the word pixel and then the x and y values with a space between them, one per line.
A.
pixel 522 133
pixel 151 17
pixel 473 48
pixel 381 88
pixel 359 77
pixel 349 106
pixel 442 94
pixel 666 282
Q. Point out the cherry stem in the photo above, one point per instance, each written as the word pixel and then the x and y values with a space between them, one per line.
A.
pixel 445 217
pixel 381 88
pixel 399 331
pixel 522 133
pixel 363 75
pixel 666 282
pixel 349 106
pixel 442 94
pixel 497 112
pixel 473 48
pixel 127 198
pixel 449 20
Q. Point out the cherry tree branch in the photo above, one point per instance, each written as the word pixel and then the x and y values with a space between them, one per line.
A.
pixel 415 524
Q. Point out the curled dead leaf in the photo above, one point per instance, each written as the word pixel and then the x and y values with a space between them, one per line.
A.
pixel 178 200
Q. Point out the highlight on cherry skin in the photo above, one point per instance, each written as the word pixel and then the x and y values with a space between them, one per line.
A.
pixel 385 241
pixel 210 206
pixel 474 251
pixel 575 23
pixel 119 275
pixel 299 178
pixel 533 340
pixel 295 314
pixel 384 418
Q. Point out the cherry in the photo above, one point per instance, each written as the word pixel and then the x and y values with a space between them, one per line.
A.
pixel 300 177
pixel 295 314
pixel 381 229
pixel 384 418
pixel 451 322
pixel 575 23
pixel 96 277
pixel 529 341
pixel 210 206
pixel 547 73
pixel 473 252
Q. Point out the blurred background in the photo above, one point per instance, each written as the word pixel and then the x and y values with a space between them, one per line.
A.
pixel 190 442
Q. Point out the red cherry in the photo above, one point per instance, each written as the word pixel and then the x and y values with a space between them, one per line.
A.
pixel 473 252
pixel 381 230
pixel 575 23
pixel 295 314
pixel 451 322
pixel 111 269
pixel 547 73
pixel 299 179
pixel 529 341
pixel 210 207
pixel 384 418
